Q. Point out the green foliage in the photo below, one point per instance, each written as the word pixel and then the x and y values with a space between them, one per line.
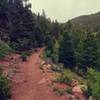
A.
pixel 55 30
pixel 65 77
pixel 59 91
pixel 25 32
pixel 55 52
pixel 5 92
pixel 52 50
pixel 48 53
pixel 69 91
pixel 14 45
pixel 57 68
pixel 70 44
pixel 24 56
pixel 86 47
pixel 90 55
pixel 66 52
pixel 63 91
pixel 5 88
pixel 28 52
pixel 1 68
pixel 4 49
pixel 86 23
pixel 94 83
pixel 76 38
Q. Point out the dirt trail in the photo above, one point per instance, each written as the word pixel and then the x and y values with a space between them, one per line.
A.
pixel 25 83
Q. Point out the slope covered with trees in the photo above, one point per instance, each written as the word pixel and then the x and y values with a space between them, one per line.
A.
pixel 23 29
pixel 76 44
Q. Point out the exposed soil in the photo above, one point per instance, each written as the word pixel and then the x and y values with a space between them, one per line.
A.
pixel 29 82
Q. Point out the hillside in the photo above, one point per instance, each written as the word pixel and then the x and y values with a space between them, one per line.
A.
pixel 41 59
pixel 87 22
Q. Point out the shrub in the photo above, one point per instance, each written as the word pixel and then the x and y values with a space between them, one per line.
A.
pixel 48 53
pixel 94 84
pixel 55 52
pixel 24 56
pixel 57 68
pixel 27 53
pixel 1 66
pixel 5 92
pixel 69 91
pixel 65 77
pixel 59 91
pixel 4 49
pixel 14 46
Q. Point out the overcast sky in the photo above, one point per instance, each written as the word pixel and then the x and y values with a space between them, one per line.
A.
pixel 63 10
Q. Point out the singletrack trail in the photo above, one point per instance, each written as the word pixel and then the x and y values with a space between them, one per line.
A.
pixel 25 83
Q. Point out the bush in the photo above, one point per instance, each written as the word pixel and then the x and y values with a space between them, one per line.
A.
pixel 48 53
pixel 94 84
pixel 14 46
pixel 24 56
pixel 55 52
pixel 65 77
pixel 57 68
pixel 69 91
pixel 27 53
pixel 4 49
pixel 5 92
pixel 1 66
pixel 59 91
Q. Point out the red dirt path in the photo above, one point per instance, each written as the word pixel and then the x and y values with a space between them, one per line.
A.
pixel 25 83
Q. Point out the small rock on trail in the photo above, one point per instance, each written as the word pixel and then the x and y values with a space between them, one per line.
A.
pixel 42 81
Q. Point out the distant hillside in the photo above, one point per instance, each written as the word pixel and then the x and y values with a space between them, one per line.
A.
pixel 89 23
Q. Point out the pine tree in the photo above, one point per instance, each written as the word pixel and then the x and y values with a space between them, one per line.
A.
pixel 90 54
pixel 66 52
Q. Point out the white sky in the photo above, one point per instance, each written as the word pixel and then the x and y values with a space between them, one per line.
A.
pixel 63 10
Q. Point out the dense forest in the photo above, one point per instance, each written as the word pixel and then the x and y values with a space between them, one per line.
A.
pixel 75 44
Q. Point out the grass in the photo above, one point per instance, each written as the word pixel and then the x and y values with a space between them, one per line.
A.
pixel 67 76
pixel 69 91
pixel 59 91
pixel 1 69
pixel 63 91
pixel 5 87
pixel 4 50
